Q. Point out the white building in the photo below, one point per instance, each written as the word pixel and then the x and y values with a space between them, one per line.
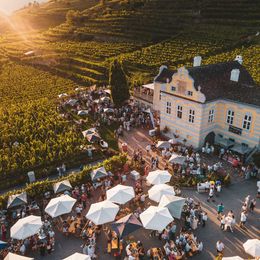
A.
pixel 218 103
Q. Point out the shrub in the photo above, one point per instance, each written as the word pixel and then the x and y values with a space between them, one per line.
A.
pixel 37 189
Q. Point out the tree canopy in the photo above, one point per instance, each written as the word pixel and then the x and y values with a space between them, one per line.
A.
pixel 118 82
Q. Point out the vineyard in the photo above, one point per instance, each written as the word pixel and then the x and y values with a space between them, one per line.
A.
pixel 34 134
pixel 250 59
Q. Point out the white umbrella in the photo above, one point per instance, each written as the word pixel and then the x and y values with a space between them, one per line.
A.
pixel 163 144
pixel 26 227
pixel 78 256
pixel 174 204
pixel 157 191
pixel 12 256
pixel 173 141
pixel 120 194
pixel 177 159
pixel 108 110
pixel 62 95
pixel 158 177
pixel 102 212
pixel 60 205
pixel 252 247
pixel 232 258
pixel 156 218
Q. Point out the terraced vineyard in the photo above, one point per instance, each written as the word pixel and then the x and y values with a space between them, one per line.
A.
pixel 250 59
pixel 176 51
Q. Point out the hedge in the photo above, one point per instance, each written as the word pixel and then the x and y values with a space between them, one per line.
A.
pixel 37 189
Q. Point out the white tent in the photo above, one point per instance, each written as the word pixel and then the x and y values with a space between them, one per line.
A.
pixel 157 191
pixel 120 194
pixel 72 102
pixel 163 144
pixel 102 212
pixel 105 99
pixel 252 247
pixel 82 112
pixel 174 204
pixel 78 256
pixel 60 205
pixel 177 159
pixel 26 227
pixel 232 258
pixel 98 173
pixel 12 256
pixel 93 138
pixel 17 200
pixel 89 132
pixel 158 177
pixel 156 218
pixel 61 186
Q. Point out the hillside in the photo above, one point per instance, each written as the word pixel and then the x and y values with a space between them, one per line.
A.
pixel 78 38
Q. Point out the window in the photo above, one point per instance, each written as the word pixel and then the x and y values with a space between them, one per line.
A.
pixel 190 93
pixel 179 111
pixel 230 117
pixel 220 135
pixel 247 122
pixel 191 116
pixel 168 107
pixel 173 88
pixel 211 116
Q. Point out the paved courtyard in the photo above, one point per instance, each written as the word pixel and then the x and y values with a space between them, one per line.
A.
pixel 232 198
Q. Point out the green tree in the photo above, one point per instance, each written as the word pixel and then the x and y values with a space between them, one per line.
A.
pixel 118 83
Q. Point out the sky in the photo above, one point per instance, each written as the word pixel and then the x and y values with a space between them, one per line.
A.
pixel 8 6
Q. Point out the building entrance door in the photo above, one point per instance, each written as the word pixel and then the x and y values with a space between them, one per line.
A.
pixel 210 138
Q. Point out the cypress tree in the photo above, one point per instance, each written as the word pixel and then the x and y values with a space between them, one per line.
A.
pixel 118 82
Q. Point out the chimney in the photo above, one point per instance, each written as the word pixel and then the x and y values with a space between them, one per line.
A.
pixel 239 59
pixel 234 76
pixel 197 61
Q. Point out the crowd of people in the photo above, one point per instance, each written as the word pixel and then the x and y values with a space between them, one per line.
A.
pixel 178 239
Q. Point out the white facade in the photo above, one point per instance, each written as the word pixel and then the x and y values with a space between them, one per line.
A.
pixel 186 113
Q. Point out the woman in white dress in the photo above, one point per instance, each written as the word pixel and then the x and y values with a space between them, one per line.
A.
pixel 194 223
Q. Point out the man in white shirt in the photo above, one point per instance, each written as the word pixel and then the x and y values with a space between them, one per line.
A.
pixel 243 219
pixel 220 246
pixel 22 249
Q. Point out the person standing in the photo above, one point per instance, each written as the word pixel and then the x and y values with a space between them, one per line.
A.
pixel 220 247
pixel 3 231
pixel 252 205
pixel 211 193
pixel 220 209
pixel 243 218
pixel 204 218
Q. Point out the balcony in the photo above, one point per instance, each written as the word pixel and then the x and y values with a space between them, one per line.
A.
pixel 142 96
